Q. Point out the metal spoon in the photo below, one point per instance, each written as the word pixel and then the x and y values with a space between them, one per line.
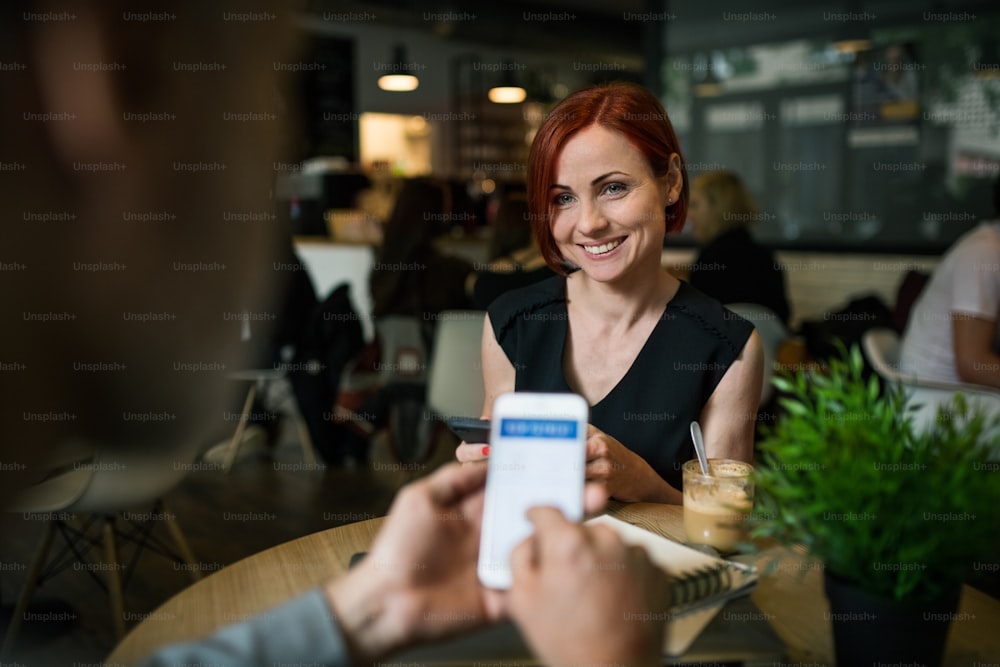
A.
pixel 699 448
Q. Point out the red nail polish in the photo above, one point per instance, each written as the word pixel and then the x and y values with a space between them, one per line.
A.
pixel 486 450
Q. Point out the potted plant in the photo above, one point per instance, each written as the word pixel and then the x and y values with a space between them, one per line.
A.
pixel 897 515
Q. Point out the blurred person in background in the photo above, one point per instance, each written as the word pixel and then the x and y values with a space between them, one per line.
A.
pixel 511 224
pixel 107 217
pixel 731 266
pixel 117 222
pixel 951 334
pixel 411 282
pixel 411 277
pixel 515 260
pixel 650 354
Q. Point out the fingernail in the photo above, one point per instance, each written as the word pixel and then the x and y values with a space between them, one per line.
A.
pixel 486 450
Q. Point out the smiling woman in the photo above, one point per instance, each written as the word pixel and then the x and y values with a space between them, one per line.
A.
pixel 607 210
pixel 628 110
pixel 649 353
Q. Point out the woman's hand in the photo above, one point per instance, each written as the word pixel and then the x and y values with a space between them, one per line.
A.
pixel 467 453
pixel 626 475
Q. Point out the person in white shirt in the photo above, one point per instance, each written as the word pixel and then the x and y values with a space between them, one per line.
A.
pixel 951 335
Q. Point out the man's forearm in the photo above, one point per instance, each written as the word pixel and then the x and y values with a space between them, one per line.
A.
pixel 303 629
pixel 359 603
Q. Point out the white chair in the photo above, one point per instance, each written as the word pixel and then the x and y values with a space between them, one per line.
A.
pixel 881 347
pixel 261 380
pixel 772 334
pixel 455 376
pixel 87 498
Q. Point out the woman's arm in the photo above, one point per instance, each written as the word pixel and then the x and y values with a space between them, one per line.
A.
pixel 498 372
pixel 729 419
pixel 498 378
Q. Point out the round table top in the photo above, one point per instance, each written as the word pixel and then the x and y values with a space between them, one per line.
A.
pixel 791 595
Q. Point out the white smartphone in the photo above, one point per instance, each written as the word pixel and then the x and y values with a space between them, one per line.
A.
pixel 537 457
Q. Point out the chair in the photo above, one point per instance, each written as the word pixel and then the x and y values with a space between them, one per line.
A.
pixel 772 334
pixel 260 381
pixel 881 347
pixel 104 487
pixel 389 390
pixel 455 376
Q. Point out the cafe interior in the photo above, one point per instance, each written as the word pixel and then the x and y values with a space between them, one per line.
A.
pixel 868 134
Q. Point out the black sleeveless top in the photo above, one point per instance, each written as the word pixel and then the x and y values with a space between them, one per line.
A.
pixel 651 408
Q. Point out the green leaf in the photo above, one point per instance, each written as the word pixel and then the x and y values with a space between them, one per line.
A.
pixel 845 446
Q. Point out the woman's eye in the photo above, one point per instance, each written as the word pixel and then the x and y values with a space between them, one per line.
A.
pixel 562 199
pixel 615 188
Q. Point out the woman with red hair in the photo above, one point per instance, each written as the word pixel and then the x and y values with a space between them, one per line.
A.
pixel 606 182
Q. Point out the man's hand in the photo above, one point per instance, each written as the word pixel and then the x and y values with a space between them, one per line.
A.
pixel 581 596
pixel 419 582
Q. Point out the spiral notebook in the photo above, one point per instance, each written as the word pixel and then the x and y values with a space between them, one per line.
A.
pixel 701 583
pixel 702 586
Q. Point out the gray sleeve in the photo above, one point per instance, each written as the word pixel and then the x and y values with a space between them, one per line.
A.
pixel 302 630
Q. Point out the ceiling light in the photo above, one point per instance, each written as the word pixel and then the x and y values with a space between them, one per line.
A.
pixel 508 90
pixel 507 94
pixel 400 77
pixel 398 82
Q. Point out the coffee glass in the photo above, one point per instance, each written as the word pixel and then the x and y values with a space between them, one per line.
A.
pixel 715 506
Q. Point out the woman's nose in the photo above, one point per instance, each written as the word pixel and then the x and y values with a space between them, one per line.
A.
pixel 592 220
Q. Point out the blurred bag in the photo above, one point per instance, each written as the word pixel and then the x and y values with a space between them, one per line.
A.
pixel 847 325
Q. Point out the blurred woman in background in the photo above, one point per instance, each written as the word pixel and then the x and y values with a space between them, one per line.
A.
pixel 732 267
pixel 515 260
pixel 411 277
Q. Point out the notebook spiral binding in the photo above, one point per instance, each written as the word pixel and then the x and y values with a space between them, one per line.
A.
pixel 699 584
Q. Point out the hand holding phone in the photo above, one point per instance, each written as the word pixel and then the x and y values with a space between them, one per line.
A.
pixel 537 457
pixel 469 429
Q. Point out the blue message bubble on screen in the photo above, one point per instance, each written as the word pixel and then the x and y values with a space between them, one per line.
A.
pixel 560 429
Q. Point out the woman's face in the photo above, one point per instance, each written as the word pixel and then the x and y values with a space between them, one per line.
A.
pixel 608 208
pixel 701 216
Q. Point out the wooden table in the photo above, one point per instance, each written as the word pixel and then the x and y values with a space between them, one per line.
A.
pixel 791 597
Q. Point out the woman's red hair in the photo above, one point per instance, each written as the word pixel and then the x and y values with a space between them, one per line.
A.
pixel 624 107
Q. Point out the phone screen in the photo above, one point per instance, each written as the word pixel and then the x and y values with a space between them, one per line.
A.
pixel 534 460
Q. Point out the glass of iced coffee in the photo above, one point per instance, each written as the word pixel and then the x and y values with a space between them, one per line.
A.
pixel 716 505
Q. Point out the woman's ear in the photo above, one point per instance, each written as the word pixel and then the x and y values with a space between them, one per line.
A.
pixel 674 178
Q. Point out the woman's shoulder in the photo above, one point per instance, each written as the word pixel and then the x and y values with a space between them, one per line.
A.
pixel 532 298
pixel 706 314
pixel 490 285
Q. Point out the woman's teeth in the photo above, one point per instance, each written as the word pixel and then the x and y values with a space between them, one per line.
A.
pixel 602 249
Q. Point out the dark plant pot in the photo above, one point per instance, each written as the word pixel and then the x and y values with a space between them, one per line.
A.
pixel 870 628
